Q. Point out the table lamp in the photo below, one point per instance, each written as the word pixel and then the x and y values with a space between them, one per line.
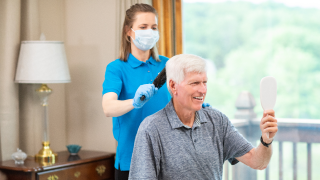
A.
pixel 43 62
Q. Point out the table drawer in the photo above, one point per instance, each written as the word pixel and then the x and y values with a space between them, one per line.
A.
pixel 97 170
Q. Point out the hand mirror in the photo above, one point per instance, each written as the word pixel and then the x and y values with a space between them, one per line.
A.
pixel 268 93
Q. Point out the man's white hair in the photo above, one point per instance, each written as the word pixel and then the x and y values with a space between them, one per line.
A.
pixel 179 65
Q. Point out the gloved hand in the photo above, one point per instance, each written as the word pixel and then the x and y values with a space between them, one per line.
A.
pixel 206 105
pixel 148 90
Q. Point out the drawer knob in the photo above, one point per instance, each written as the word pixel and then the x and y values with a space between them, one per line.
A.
pixel 53 177
pixel 77 174
pixel 101 169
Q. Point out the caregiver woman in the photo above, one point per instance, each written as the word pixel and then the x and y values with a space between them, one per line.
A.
pixel 130 77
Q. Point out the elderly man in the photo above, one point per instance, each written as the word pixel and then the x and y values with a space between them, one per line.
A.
pixel 186 141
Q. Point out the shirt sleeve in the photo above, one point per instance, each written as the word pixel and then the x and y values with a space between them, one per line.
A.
pixel 235 145
pixel 112 79
pixel 145 162
pixel 163 58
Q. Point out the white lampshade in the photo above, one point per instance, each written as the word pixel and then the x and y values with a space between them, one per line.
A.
pixel 42 62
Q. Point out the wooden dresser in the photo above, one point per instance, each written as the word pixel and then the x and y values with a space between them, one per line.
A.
pixel 87 165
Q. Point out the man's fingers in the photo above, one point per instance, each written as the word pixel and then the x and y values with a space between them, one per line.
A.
pixel 268 119
pixel 269 124
pixel 269 112
pixel 270 130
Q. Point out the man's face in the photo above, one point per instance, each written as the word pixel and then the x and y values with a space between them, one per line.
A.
pixel 191 92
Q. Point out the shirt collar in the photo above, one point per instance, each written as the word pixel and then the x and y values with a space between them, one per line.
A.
pixel 196 122
pixel 134 62
pixel 174 119
pixel 152 61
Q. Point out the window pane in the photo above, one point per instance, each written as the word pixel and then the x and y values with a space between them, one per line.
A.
pixel 245 41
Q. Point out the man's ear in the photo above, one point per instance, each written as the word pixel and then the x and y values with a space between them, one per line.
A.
pixel 173 86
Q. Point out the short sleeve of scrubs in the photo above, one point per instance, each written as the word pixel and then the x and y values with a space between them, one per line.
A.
pixel 112 79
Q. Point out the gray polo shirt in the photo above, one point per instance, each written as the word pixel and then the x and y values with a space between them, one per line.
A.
pixel 165 149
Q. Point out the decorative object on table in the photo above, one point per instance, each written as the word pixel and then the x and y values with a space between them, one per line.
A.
pixel 73 149
pixel 19 156
pixel 73 158
pixel 43 62
pixel 63 168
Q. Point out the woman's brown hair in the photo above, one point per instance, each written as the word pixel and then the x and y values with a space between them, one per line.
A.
pixel 125 47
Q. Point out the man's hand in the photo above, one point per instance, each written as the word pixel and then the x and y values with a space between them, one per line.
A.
pixel 269 125
pixel 259 157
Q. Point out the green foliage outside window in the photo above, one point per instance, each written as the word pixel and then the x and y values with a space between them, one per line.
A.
pixel 247 42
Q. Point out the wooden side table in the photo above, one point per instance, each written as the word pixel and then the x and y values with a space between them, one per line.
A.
pixel 87 165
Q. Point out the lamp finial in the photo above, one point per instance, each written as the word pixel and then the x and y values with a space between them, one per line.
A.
pixel 42 37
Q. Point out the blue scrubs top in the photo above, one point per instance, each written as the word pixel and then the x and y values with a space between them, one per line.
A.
pixel 124 78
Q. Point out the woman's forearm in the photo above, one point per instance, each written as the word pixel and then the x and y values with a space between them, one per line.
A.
pixel 112 107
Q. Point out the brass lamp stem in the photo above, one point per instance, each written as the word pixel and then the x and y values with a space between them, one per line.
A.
pixel 45 156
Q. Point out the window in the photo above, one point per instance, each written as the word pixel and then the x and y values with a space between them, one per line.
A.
pixel 246 40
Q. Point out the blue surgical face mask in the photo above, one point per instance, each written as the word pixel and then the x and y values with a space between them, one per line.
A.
pixel 145 39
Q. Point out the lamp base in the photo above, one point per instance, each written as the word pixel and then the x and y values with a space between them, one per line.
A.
pixel 46 156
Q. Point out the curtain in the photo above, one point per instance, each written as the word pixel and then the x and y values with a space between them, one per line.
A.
pixel 19 117
pixel 9 102
pixel 170 26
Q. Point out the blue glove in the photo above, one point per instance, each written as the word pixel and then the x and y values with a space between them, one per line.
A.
pixel 148 90
pixel 206 105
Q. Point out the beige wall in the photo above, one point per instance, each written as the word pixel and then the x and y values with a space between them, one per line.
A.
pixel 75 112
pixel 88 28
pixel 90 46
pixel 9 102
